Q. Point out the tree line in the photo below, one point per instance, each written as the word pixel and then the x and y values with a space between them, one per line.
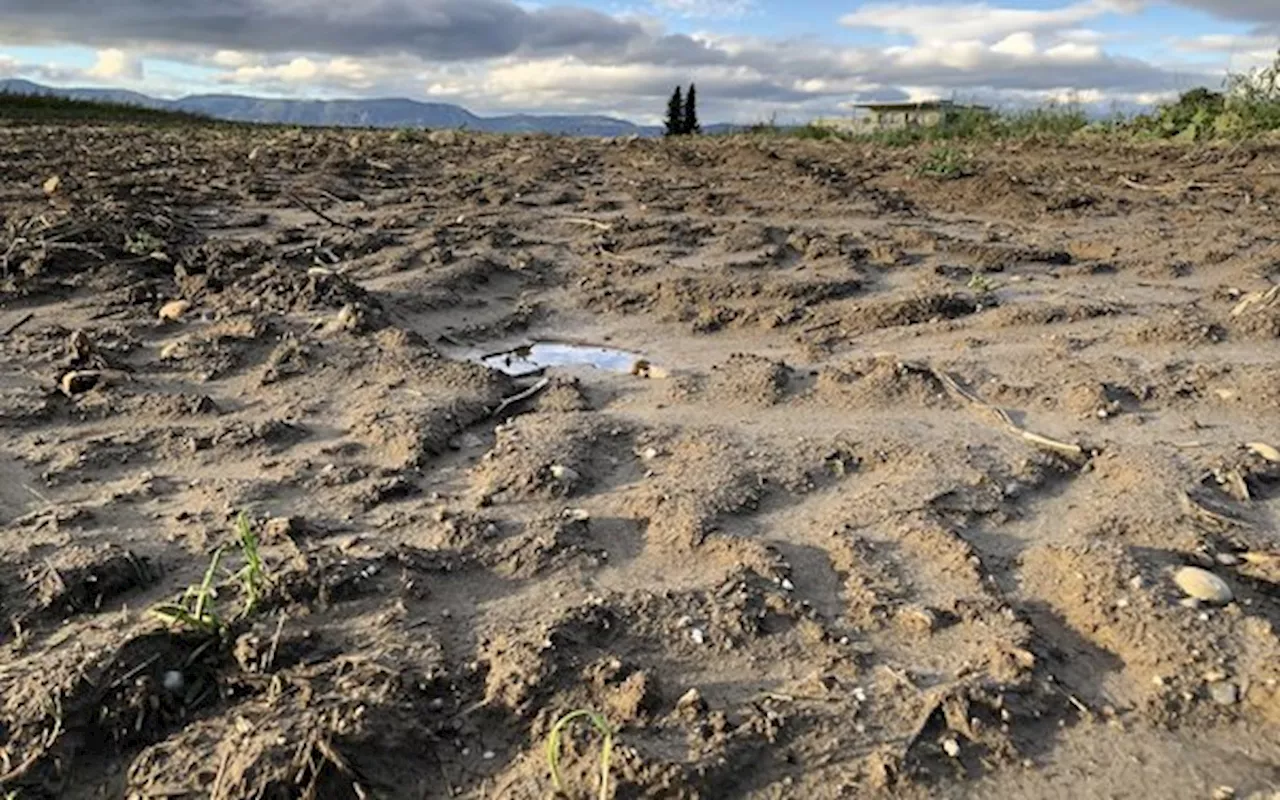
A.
pixel 682 113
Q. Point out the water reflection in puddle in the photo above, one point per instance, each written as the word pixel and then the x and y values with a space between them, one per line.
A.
pixel 534 358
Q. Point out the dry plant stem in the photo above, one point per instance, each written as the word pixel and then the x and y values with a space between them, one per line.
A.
pixel 555 738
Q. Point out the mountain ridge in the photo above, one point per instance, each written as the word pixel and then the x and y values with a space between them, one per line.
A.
pixel 383 112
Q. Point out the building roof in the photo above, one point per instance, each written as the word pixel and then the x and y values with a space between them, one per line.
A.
pixel 916 105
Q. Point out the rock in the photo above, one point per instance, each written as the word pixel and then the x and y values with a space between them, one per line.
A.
pixel 51 185
pixel 563 474
pixel 349 318
pixel 79 381
pixel 1265 450
pixel 951 747
pixel 173 310
pixel 1203 585
pixel 1224 694
pixel 691 703
pixel 697 636
pixel 173 681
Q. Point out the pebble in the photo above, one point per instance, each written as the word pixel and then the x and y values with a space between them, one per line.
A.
pixel 951 747
pixel 1203 585
pixel 564 474
pixel 1224 694
pixel 787 585
pixel 173 310
pixel 649 453
pixel 691 701
pixel 697 636
pixel 173 681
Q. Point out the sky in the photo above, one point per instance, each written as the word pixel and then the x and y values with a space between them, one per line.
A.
pixel 752 60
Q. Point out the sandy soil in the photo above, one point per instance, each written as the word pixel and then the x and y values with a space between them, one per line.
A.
pixel 892 505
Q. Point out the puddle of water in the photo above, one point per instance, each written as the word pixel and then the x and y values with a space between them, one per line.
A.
pixel 533 358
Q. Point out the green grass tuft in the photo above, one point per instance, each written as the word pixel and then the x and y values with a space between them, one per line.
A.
pixel 947 163
pixel 196 608
pixel 253 575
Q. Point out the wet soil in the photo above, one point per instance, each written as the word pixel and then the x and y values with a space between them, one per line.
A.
pixel 882 497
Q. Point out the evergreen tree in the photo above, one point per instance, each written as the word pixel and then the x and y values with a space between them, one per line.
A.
pixel 675 114
pixel 691 112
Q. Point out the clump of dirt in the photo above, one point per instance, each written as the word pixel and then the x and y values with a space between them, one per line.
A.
pixel 879 382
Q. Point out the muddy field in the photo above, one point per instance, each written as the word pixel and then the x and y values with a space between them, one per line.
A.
pixel 886 484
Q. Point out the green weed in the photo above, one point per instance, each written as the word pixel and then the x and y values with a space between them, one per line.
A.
pixel 946 163
pixel 253 575
pixel 194 610
pixel 143 243
pixel 981 284
pixel 556 737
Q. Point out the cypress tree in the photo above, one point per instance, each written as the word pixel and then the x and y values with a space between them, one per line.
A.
pixel 675 114
pixel 691 111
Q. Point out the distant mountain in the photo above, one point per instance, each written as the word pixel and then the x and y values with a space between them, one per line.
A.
pixel 374 113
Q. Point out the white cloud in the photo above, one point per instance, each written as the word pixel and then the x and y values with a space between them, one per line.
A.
pixel 977 21
pixel 341 72
pixel 1016 44
pixel 706 8
pixel 115 65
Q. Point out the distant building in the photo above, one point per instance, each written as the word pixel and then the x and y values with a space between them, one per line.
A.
pixel 896 116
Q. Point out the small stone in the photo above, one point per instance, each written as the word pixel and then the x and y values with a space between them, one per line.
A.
pixel 787 585
pixel 698 636
pixel 1203 585
pixel 691 703
pixel 951 747
pixel 173 310
pixel 649 453
pixel 567 475
pixel 1224 694
pixel 51 185
pixel 1224 793
pixel 173 681
pixel 489 755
